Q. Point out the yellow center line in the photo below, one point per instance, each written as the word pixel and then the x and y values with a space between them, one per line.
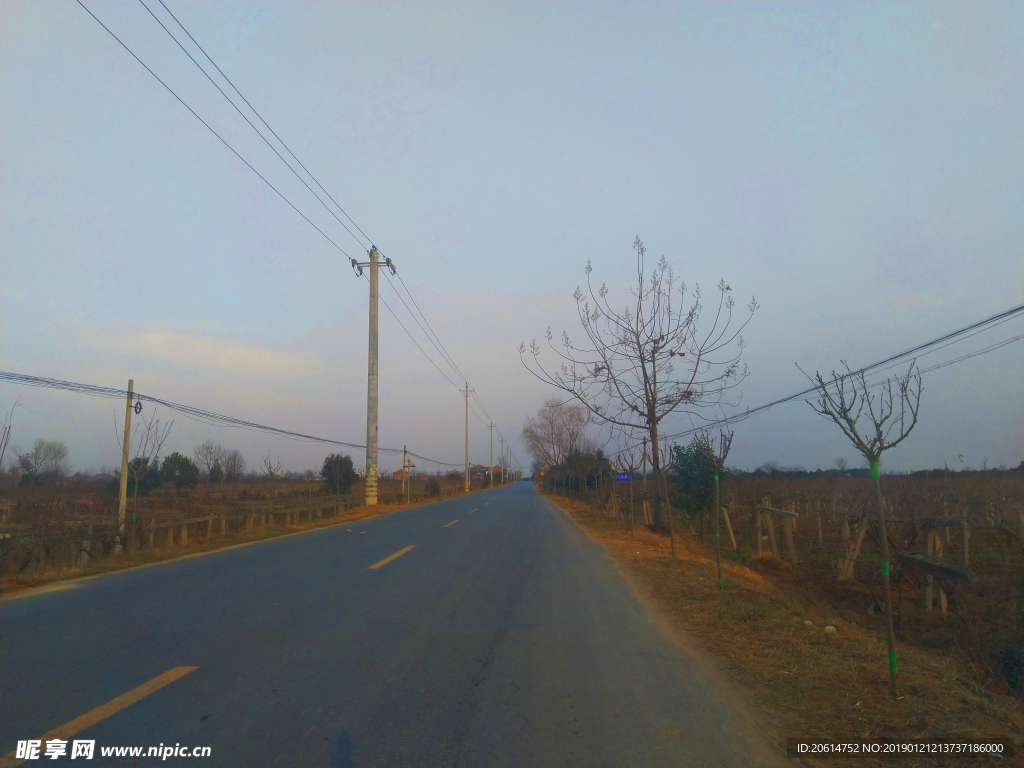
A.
pixel 389 558
pixel 449 525
pixel 102 712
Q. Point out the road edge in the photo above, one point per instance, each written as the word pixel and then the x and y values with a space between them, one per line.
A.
pixel 763 725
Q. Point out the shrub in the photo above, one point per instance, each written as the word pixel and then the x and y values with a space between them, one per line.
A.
pixel 338 474
pixel 180 470
pixel 693 474
pixel 433 488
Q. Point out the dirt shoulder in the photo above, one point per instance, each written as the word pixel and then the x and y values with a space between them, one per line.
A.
pixel 810 684
pixel 49 577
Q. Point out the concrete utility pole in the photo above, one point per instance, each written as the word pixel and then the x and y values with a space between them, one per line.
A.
pixel 371 371
pixel 122 502
pixel 490 466
pixel 501 458
pixel 466 393
pixel 372 380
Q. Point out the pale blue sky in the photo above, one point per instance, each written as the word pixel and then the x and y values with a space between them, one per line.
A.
pixel 860 168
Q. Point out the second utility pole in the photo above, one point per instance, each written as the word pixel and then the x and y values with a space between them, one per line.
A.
pixel 371 385
pixel 466 393
pixel 490 468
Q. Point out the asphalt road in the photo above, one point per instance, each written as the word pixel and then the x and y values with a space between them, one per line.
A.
pixel 504 639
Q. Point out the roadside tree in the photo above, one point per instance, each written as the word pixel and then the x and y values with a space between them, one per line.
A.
pixel 638 365
pixel 46 462
pixel 180 470
pixel 891 415
pixel 556 431
pixel 208 455
pixel 233 465
pixel 338 473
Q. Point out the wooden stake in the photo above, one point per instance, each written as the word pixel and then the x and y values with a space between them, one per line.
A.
pixel 728 527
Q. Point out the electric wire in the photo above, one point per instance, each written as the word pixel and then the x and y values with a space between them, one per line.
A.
pixel 239 111
pixel 439 346
pixel 431 336
pixel 269 128
pixel 444 355
pixel 989 321
pixel 804 396
pixel 954 337
pixel 214 132
pixel 190 412
pixel 211 130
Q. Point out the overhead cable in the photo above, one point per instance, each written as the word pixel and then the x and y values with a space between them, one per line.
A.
pixel 191 412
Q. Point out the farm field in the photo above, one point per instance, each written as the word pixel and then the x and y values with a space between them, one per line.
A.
pixel 57 533
pixel 960 673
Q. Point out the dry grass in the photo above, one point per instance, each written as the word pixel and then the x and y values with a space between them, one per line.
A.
pixel 821 686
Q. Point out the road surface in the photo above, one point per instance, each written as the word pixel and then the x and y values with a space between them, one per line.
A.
pixel 502 637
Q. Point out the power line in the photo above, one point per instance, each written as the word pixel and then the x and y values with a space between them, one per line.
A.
pixel 438 345
pixel 444 355
pixel 191 412
pixel 446 359
pixel 214 132
pixel 959 335
pixel 287 148
pixel 232 103
pixel 416 304
pixel 211 130
pixel 802 395
pixel 443 350
pixel 432 335
pixel 412 338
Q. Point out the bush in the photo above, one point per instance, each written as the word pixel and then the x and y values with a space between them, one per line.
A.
pixel 143 476
pixel 338 474
pixel 432 488
pixel 180 470
pixel 692 473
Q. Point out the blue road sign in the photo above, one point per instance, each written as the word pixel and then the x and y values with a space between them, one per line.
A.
pixel 623 476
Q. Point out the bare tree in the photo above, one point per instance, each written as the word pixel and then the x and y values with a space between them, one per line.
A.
pixel 649 360
pixel 147 440
pixel 209 455
pixel 233 465
pixel 556 431
pixel 5 434
pixel 47 460
pixel 271 466
pixel 841 465
pixel 892 413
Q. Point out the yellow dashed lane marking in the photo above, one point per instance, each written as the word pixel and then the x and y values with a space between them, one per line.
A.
pixel 389 558
pixel 102 712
